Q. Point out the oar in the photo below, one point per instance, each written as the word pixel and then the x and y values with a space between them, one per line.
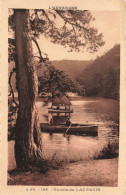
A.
pixel 68 129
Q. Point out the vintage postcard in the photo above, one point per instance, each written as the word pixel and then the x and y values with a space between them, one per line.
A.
pixel 63 99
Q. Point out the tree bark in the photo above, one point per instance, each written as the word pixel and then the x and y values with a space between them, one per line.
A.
pixel 28 141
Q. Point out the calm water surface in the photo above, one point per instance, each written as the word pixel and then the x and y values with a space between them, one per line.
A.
pixel 102 112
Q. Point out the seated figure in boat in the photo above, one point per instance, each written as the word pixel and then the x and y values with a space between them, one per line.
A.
pixel 68 123
pixel 51 121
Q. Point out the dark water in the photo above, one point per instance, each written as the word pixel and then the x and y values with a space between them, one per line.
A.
pixel 102 112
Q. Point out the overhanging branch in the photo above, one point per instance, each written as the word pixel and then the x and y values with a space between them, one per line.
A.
pixel 40 52
pixel 37 45
pixel 47 17
pixel 71 23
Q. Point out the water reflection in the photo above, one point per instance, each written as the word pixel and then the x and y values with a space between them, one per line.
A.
pixel 102 112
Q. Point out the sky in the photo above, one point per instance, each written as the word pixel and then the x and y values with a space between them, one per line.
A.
pixel 107 22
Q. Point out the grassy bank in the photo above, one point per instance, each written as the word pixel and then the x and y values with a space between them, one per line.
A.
pixel 102 172
pixel 83 173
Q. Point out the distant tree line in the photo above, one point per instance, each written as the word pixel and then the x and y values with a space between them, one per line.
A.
pixel 73 68
pixel 102 77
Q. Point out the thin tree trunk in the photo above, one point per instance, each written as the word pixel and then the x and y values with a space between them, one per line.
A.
pixel 28 141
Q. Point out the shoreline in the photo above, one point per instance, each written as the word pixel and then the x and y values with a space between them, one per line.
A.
pixel 83 173
pixel 96 172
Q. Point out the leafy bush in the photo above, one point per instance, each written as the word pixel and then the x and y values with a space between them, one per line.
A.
pixel 109 151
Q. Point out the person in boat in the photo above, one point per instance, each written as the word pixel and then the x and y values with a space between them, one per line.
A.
pixel 68 123
pixel 51 122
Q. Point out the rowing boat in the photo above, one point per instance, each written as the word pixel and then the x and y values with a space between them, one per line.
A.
pixel 81 129
pixel 55 110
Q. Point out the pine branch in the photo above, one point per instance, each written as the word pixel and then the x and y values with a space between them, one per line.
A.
pixel 51 22
pixel 71 23
pixel 37 45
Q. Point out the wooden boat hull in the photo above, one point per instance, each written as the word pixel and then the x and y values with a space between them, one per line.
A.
pixel 81 129
pixel 51 110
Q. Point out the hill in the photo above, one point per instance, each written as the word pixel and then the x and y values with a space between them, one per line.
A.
pixel 101 77
pixel 73 68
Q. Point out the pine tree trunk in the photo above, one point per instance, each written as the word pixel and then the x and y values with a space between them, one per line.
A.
pixel 28 141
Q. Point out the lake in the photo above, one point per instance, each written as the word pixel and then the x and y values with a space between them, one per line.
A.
pixel 98 111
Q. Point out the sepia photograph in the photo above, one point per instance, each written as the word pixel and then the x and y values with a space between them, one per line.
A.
pixel 63 97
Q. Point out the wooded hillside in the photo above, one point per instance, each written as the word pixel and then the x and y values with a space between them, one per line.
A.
pixel 101 78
